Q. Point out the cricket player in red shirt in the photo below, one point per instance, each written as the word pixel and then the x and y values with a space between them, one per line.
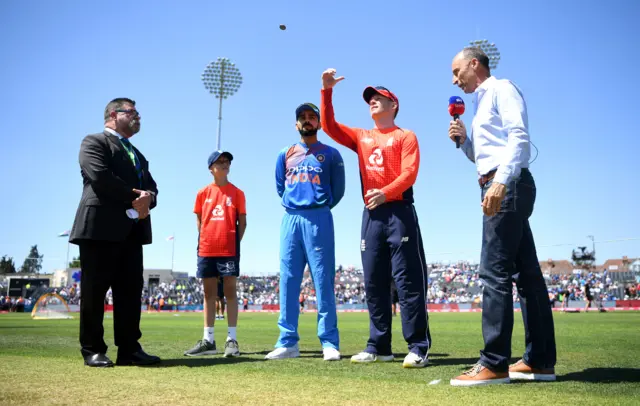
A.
pixel 391 245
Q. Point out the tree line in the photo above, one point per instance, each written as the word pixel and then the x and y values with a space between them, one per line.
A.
pixel 31 264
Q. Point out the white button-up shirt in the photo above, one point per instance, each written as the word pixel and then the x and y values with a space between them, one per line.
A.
pixel 114 132
pixel 499 137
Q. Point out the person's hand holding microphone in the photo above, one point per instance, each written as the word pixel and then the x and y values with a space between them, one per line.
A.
pixel 457 130
pixel 458 134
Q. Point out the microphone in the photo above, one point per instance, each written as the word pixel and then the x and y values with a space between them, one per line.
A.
pixel 456 109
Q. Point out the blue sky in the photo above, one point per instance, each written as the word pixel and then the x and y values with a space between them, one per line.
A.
pixel 63 61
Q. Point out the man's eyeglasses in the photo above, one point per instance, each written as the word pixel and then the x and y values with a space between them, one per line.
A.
pixel 131 112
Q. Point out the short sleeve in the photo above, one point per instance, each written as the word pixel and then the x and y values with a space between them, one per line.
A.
pixel 242 203
pixel 197 209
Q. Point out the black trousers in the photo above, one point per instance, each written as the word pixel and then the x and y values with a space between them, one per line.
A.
pixel 117 265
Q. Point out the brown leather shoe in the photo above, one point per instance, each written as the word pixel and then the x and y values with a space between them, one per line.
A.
pixel 480 375
pixel 520 370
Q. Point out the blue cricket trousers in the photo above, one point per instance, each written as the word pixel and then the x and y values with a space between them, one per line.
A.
pixel 306 236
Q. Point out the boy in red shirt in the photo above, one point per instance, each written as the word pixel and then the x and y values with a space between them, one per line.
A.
pixel 391 244
pixel 222 220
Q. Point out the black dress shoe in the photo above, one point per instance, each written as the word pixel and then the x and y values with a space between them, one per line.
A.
pixel 138 358
pixel 98 360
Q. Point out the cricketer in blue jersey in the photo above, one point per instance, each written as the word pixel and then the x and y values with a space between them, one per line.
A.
pixel 310 180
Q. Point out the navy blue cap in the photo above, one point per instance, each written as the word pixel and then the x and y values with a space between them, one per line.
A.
pixel 307 106
pixel 382 91
pixel 217 154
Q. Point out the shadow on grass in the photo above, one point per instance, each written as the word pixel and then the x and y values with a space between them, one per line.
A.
pixel 603 375
pixel 192 362
pixel 303 354
pixel 318 354
pixel 467 362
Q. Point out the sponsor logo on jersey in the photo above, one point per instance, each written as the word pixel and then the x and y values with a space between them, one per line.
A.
pixel 303 174
pixel 303 169
pixel 375 161
pixel 217 214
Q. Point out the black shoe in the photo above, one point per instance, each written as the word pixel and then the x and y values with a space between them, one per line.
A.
pixel 98 361
pixel 138 358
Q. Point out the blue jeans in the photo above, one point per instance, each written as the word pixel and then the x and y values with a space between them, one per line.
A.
pixel 509 255
pixel 307 237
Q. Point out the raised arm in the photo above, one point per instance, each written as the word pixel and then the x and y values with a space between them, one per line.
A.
pixel 340 133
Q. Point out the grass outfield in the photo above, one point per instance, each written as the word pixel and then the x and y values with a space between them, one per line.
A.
pixel 40 363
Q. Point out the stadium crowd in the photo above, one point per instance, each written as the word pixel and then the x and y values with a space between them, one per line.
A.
pixel 458 283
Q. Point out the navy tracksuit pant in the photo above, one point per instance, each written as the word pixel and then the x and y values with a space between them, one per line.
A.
pixel 392 247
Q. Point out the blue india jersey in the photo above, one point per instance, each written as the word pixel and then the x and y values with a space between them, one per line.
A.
pixel 310 177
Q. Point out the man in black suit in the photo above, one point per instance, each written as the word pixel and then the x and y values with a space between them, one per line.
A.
pixel 112 224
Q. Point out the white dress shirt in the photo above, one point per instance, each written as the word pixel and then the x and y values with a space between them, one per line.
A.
pixel 114 132
pixel 499 137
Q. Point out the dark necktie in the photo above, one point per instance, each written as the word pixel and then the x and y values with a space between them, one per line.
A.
pixel 134 158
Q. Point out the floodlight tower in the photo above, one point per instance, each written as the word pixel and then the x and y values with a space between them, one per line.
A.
pixel 490 49
pixel 222 79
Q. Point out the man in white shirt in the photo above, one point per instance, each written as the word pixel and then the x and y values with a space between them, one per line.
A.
pixel 499 145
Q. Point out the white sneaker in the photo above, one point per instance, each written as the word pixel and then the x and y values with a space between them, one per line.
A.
pixel 366 357
pixel 413 360
pixel 284 352
pixel 331 354
pixel 231 348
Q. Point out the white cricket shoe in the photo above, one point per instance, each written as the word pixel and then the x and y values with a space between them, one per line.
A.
pixel 367 357
pixel 331 354
pixel 413 360
pixel 284 352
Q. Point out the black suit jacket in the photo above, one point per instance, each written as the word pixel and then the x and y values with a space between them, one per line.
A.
pixel 108 178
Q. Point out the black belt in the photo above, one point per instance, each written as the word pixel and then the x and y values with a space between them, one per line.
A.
pixel 484 179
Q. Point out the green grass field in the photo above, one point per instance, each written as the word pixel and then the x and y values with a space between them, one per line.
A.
pixel 598 363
